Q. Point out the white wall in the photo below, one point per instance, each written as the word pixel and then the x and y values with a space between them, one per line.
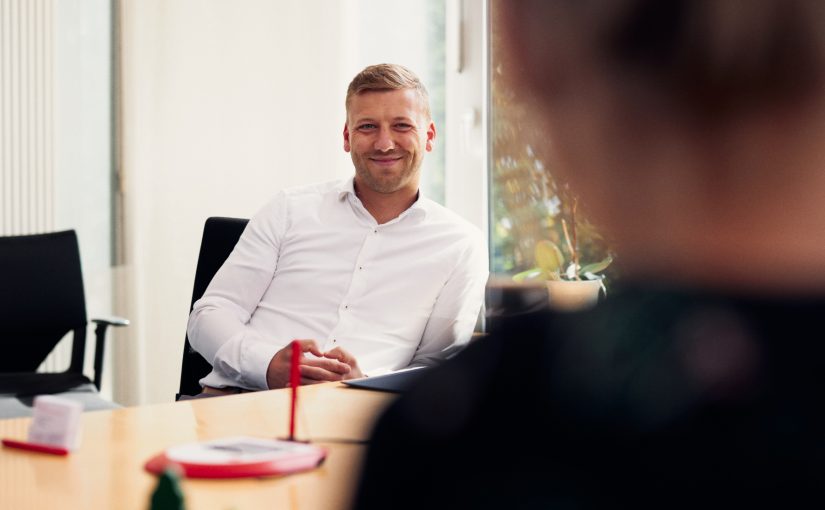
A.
pixel 223 104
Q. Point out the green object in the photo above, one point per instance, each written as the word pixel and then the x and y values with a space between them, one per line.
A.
pixel 549 259
pixel 168 494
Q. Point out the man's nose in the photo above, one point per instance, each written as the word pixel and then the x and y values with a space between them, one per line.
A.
pixel 384 141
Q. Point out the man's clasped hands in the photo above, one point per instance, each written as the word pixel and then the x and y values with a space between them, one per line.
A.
pixel 335 364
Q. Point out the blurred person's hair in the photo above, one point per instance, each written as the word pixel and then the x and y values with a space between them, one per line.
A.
pixel 383 77
pixel 708 59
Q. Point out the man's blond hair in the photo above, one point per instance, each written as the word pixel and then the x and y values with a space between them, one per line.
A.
pixel 387 77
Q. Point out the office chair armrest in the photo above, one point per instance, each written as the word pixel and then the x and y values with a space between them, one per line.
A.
pixel 100 341
pixel 112 320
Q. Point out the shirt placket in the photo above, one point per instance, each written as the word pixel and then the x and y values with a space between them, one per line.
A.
pixel 357 287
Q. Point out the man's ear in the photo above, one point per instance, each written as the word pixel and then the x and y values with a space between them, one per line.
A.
pixel 346 138
pixel 430 137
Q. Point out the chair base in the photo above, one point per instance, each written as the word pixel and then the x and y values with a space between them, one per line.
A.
pixel 40 383
pixel 20 407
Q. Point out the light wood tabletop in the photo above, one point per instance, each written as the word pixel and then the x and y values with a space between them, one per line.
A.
pixel 107 470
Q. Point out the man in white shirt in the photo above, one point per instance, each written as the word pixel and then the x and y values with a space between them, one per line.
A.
pixel 367 274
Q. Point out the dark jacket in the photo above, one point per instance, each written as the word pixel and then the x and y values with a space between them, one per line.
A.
pixel 658 398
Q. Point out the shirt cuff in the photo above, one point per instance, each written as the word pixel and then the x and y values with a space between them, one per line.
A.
pixel 255 358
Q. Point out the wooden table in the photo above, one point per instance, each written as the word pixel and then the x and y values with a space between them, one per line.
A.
pixel 107 470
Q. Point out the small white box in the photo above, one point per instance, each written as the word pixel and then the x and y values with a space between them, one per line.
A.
pixel 56 422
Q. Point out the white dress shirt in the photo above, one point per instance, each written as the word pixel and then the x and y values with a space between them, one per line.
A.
pixel 313 263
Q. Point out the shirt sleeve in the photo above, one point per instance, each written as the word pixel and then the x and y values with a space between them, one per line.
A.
pixel 218 323
pixel 457 306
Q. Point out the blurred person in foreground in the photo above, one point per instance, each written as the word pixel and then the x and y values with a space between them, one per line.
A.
pixel 694 132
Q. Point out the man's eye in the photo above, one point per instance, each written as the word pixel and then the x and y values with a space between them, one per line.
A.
pixel 366 126
pixel 403 126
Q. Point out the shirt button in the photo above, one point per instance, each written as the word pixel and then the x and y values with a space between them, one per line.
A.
pixel 360 268
pixel 334 341
pixel 375 231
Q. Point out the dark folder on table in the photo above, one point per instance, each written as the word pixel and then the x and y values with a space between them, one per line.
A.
pixel 396 382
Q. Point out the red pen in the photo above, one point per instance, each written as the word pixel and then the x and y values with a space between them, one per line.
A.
pixel 35 447
pixel 294 381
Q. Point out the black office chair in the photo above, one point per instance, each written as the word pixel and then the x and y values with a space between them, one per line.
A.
pixel 42 300
pixel 219 238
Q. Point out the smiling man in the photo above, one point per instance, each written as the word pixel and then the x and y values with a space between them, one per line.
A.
pixel 387 132
pixel 367 273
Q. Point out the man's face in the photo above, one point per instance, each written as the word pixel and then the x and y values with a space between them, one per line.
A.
pixel 386 134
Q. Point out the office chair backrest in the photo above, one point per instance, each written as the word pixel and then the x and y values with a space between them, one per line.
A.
pixel 219 238
pixel 41 299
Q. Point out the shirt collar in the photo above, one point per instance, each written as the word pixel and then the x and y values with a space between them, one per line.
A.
pixel 419 208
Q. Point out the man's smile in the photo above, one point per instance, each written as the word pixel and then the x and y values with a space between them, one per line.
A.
pixel 386 160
